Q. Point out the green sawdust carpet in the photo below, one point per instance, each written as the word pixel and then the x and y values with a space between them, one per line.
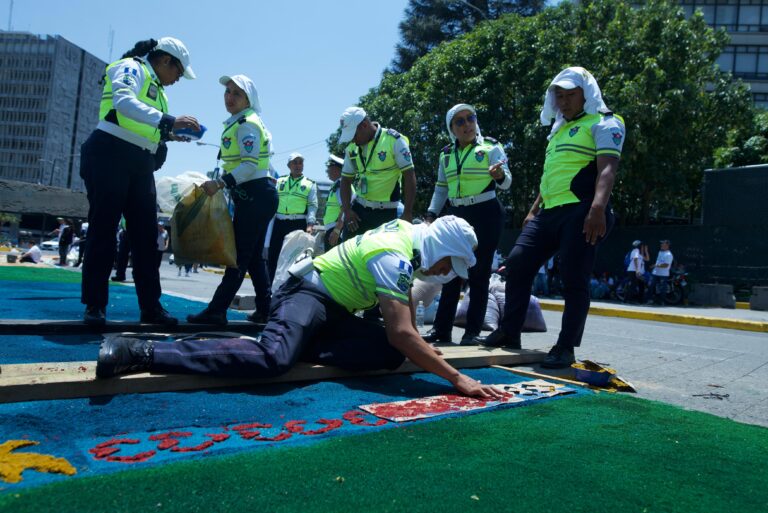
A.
pixel 37 274
pixel 601 453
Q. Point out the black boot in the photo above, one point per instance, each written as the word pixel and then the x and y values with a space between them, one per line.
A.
pixel 208 317
pixel 500 338
pixel 158 316
pixel 121 355
pixel 258 317
pixel 434 336
pixel 94 316
pixel 559 357
pixel 470 339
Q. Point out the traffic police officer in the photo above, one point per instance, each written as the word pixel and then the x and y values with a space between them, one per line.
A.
pixel 312 313
pixel 296 210
pixel 379 159
pixel 117 165
pixel 469 172
pixel 571 214
pixel 333 221
pixel 245 151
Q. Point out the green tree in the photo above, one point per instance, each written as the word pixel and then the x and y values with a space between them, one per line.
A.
pixel 745 147
pixel 428 23
pixel 656 69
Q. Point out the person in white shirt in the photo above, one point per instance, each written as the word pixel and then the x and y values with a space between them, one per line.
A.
pixel 117 165
pixel 660 274
pixel 32 255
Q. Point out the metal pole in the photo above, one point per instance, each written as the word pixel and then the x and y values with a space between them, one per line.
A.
pixel 10 17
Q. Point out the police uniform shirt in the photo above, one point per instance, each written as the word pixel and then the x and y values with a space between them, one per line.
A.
pixel 440 195
pixel 664 257
pixel 127 81
pixel 402 155
pixel 249 138
pixel 393 274
pixel 311 198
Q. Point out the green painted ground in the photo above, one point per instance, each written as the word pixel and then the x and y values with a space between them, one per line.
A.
pixel 37 274
pixel 602 453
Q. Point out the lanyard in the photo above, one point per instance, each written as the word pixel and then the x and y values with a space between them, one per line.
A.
pixel 292 184
pixel 460 163
pixel 370 153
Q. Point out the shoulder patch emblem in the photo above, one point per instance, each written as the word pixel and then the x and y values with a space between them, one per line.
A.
pixel 406 154
pixel 573 131
pixel 617 136
pixel 248 142
pixel 226 142
pixel 403 282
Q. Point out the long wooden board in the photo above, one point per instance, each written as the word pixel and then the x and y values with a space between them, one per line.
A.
pixel 44 327
pixel 66 380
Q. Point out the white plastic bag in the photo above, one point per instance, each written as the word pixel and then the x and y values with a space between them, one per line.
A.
pixel 171 189
pixel 425 292
pixel 294 245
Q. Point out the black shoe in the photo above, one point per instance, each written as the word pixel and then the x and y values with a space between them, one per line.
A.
pixel 158 316
pixel 208 317
pixel 500 338
pixel 94 316
pixel 559 357
pixel 118 278
pixel 120 355
pixel 433 336
pixel 470 339
pixel 258 317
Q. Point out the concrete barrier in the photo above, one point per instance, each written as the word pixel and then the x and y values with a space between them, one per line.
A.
pixel 759 299
pixel 712 294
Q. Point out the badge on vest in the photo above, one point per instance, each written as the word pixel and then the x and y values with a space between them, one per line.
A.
pixel 479 156
pixel 382 155
pixel 226 142
pixel 152 92
pixel 303 187
pixel 573 131
pixel 282 186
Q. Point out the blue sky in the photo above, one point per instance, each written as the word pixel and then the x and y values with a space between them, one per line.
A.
pixel 310 60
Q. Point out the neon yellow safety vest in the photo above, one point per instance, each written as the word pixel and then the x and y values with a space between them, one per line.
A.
pixel 570 165
pixel 258 151
pixel 151 94
pixel 343 269
pixel 466 171
pixel 332 205
pixel 293 194
pixel 376 169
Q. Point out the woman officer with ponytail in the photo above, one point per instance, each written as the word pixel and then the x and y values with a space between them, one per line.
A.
pixel 117 165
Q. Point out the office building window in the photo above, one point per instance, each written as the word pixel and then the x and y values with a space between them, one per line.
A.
pixel 732 15
pixel 744 61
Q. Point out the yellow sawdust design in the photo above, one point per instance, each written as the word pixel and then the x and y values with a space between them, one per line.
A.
pixel 13 464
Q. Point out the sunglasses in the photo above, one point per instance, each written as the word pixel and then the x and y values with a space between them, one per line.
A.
pixel 472 118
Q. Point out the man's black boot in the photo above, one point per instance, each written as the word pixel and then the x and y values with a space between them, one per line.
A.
pixel 121 355
pixel 500 338
pixel 469 339
pixel 257 317
pixel 94 316
pixel 559 357
pixel 208 317
pixel 158 316
pixel 434 336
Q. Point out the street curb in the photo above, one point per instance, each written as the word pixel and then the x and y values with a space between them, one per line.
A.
pixel 693 320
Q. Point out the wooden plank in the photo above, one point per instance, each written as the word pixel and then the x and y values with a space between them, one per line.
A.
pixel 66 380
pixel 531 374
pixel 44 327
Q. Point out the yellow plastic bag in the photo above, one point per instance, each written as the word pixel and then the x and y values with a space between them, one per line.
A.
pixel 202 231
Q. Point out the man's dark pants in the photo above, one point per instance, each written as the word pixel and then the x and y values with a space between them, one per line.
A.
pixel 255 204
pixel 552 230
pixel 303 324
pixel 119 179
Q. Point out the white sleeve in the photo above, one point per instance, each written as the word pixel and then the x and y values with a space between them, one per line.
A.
pixel 347 169
pixel 440 195
pixel 312 205
pixel 127 80
pixel 495 156
pixel 393 275
pixel 403 157
pixel 609 135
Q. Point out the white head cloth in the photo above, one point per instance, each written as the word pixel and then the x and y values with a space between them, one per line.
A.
pixel 446 236
pixel 453 111
pixel 570 78
pixel 248 87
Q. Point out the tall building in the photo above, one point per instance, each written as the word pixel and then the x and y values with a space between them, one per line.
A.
pixel 747 55
pixel 49 104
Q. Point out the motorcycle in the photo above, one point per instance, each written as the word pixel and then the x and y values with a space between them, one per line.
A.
pixel 676 287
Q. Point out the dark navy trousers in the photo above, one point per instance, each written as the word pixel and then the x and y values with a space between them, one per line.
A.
pixel 552 230
pixel 487 219
pixel 119 179
pixel 304 324
pixel 255 204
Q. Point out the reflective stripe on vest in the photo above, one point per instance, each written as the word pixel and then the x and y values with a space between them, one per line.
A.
pixel 293 194
pixel 377 166
pixel 344 271
pixel 570 150
pixel 258 155
pixel 473 162
pixel 151 94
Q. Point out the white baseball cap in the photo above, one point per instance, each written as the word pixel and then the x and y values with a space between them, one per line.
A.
pixel 295 155
pixel 350 118
pixel 173 46
pixel 336 160
pixel 247 85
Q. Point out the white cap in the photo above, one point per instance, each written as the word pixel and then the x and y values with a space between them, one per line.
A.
pixel 449 236
pixel 173 46
pixel 295 155
pixel 569 78
pixel 336 160
pixel 247 85
pixel 349 121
